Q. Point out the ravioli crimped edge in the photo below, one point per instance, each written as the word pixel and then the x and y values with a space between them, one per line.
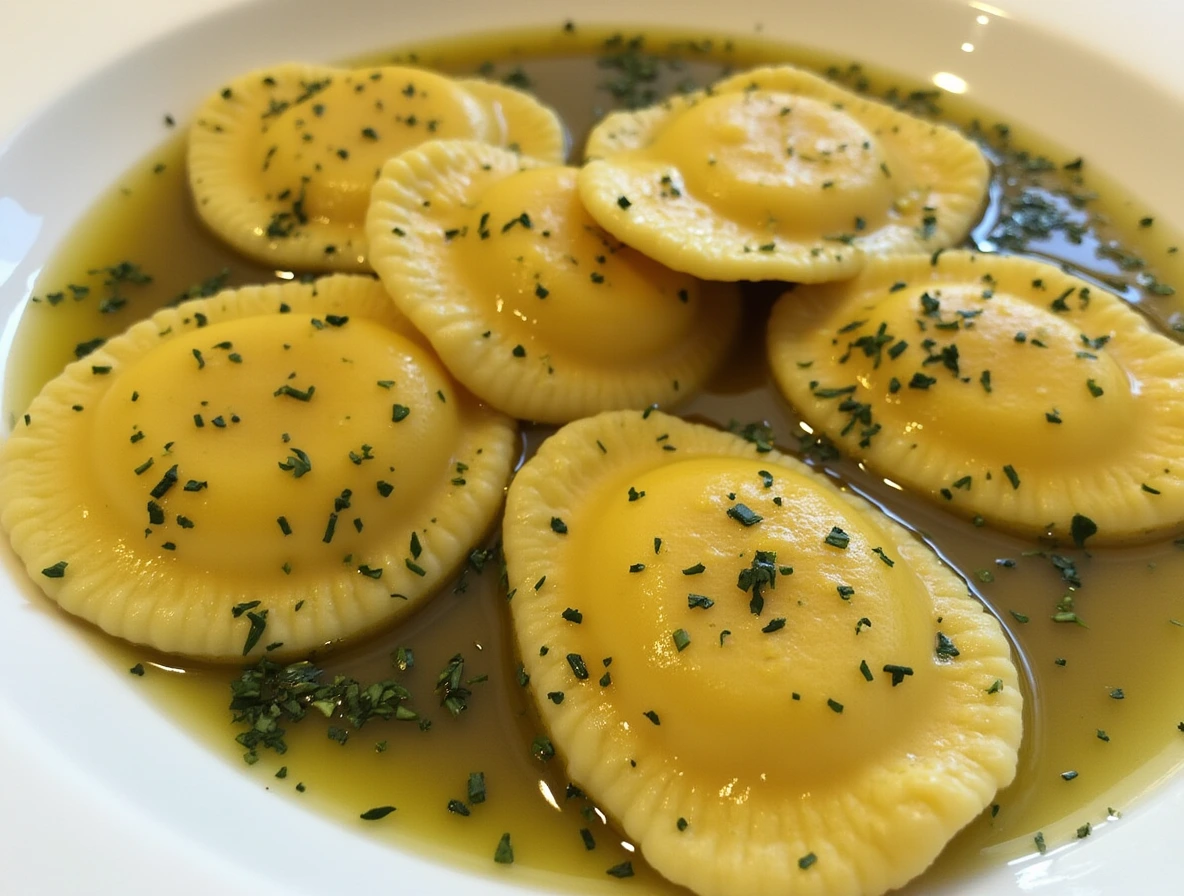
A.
pixel 145 600
pixel 713 246
pixel 877 830
pixel 412 205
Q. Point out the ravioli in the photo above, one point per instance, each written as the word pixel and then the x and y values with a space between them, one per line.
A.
pixel 771 686
pixel 269 471
pixel 530 304
pixel 777 174
pixel 281 161
pixel 1001 388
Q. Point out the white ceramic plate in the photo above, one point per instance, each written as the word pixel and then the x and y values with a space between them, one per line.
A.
pixel 100 792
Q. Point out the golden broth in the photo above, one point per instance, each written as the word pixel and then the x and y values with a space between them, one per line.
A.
pixel 1132 645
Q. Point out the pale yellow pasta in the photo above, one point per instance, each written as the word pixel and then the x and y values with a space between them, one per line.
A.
pixel 529 304
pixel 779 174
pixel 281 161
pixel 269 471
pixel 1001 388
pixel 768 684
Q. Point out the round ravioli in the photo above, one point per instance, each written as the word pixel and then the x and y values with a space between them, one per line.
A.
pixel 777 174
pixel 769 684
pixel 267 471
pixel 528 302
pixel 999 387
pixel 281 161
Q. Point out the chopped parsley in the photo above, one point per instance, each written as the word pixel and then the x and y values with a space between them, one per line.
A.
pixel 744 515
pixel 837 538
pixel 57 571
pixel 760 573
pixel 945 647
pixel 1082 527
pixel 377 813
pixel 504 853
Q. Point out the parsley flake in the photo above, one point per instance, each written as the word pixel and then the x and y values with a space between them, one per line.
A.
pixel 376 813
pixel 837 538
pixel 504 854
pixel 744 515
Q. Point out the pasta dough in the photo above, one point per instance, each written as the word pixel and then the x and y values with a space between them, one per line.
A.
pixel 268 471
pixel 771 686
pixel 998 387
pixel 530 304
pixel 777 174
pixel 281 161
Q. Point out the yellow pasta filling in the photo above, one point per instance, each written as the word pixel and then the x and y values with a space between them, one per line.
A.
pixel 280 421
pixel 561 285
pixel 770 149
pixel 331 140
pixel 696 651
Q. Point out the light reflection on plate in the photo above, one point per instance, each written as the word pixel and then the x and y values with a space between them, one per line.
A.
pixel 103 793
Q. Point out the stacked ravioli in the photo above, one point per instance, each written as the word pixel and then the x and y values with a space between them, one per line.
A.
pixel 529 302
pixel 287 468
pixel 767 683
pixel 281 161
pixel 281 469
pixel 777 174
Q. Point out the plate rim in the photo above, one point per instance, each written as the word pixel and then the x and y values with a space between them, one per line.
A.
pixel 35 747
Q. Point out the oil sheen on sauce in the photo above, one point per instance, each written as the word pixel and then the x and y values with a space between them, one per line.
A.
pixel 1101 699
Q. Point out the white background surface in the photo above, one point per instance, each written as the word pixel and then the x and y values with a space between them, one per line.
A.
pixel 48 45
pixel 56 831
